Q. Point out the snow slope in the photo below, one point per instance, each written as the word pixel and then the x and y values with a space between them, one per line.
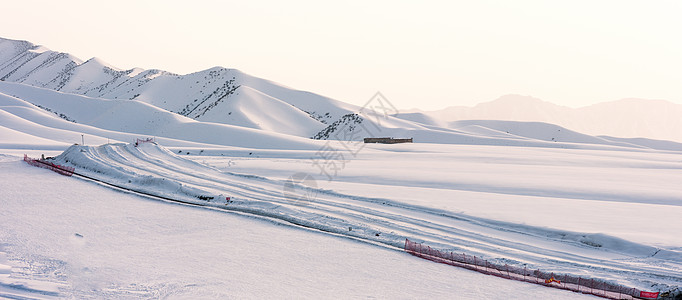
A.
pixel 85 241
pixel 216 95
pixel 133 117
pixel 142 119
pixel 573 189
pixel 204 96
pixel 388 219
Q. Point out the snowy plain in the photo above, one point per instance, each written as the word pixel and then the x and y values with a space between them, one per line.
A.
pixel 65 237
pixel 566 224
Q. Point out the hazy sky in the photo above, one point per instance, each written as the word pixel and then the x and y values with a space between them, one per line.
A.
pixel 426 54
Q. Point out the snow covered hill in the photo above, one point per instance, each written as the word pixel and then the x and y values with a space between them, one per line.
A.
pixel 217 95
pixel 626 118
pixel 62 117
pixel 110 118
pixel 227 96
pixel 47 114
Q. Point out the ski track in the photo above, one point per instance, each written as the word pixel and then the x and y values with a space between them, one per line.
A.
pixel 143 168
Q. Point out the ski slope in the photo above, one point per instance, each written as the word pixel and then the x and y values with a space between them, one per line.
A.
pixel 381 220
pixel 85 241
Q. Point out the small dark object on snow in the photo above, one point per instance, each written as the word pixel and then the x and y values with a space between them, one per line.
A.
pixel 350 228
pixel 78 235
pixel 377 234
pixel 387 140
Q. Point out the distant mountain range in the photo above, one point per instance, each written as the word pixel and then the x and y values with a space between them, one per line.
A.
pixel 55 96
pixel 627 118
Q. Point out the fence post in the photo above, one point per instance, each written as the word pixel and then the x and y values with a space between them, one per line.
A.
pixel 537 278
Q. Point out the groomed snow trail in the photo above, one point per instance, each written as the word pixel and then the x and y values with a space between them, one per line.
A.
pixel 155 170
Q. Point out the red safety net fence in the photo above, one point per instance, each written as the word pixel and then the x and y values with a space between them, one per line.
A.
pixel 41 163
pixel 561 281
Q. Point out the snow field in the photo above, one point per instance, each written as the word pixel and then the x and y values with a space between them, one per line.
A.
pixel 132 247
pixel 386 220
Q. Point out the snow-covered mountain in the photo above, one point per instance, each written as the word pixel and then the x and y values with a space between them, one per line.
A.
pixel 227 107
pixel 217 95
pixel 626 118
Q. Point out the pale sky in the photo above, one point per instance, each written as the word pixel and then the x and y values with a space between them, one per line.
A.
pixel 426 54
